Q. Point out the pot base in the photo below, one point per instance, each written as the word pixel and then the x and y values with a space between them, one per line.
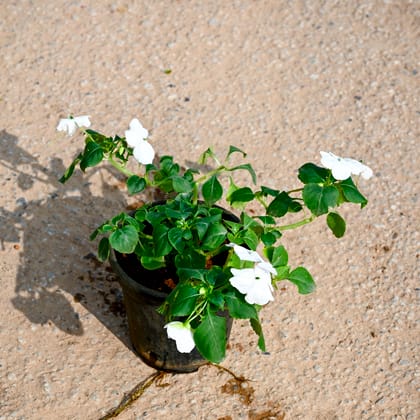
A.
pixel 146 326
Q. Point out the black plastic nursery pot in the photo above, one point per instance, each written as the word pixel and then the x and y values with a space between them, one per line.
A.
pixel 146 325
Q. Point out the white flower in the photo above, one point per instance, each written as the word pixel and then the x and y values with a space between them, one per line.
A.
pixel 245 254
pixel 70 125
pixel 254 283
pixel 136 133
pixel 144 153
pixel 135 136
pixel 266 266
pixel 182 334
pixel 343 168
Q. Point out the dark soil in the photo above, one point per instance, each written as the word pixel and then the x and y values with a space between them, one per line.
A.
pixel 162 280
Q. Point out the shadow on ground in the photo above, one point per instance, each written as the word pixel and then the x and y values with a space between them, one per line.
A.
pixel 55 255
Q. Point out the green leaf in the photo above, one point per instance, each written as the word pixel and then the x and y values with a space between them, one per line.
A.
pixel 103 249
pixel 180 184
pixel 279 206
pixel 295 206
pixel 118 218
pixel 92 155
pixel 124 239
pixel 135 184
pixel 247 167
pixel 186 274
pixel 313 174
pixel 152 263
pixel 267 220
pixel 233 226
pixel 201 227
pixel 210 338
pixel 182 300
pixel 250 238
pixel 215 275
pixel 337 224
pixel 282 273
pixel 176 214
pixel 215 236
pixel 96 137
pixel 269 191
pixel 234 149
pixel 190 259
pixel 106 227
pixel 168 166
pixel 318 198
pixel 162 245
pixel 249 222
pixel 282 204
pixel 129 220
pixel 231 189
pixel 94 234
pixel 203 158
pixel 268 238
pixel 212 191
pixel 70 169
pixel 175 236
pixel 303 280
pixel 237 306
pixel 242 195
pixel 141 214
pixel 277 255
pixel 256 326
pixel 351 193
pixel 216 298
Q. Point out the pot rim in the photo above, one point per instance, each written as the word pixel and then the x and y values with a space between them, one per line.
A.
pixel 137 286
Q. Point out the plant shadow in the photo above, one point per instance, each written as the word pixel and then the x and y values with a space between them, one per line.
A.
pixel 58 270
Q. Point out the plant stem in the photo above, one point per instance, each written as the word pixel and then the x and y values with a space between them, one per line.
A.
pixel 208 175
pixel 293 191
pixel 194 198
pixel 297 224
pixel 197 311
pixel 121 168
pixel 261 201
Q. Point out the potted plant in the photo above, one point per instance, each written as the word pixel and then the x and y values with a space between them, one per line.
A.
pixel 191 263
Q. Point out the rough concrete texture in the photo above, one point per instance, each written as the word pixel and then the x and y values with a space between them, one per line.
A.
pixel 280 79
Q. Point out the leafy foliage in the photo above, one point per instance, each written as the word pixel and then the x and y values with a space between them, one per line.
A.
pixel 190 233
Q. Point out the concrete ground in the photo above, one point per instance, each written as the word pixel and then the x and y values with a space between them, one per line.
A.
pixel 280 79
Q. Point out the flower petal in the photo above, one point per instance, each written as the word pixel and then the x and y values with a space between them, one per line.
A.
pixel 242 280
pixel 245 254
pixel 367 172
pixel 341 171
pixel 82 121
pixel 343 168
pixel 259 296
pixel 358 168
pixel 67 125
pixel 182 334
pixel 254 283
pixel 143 152
pixel 70 125
pixel 328 159
pixel 136 133
pixel 266 266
